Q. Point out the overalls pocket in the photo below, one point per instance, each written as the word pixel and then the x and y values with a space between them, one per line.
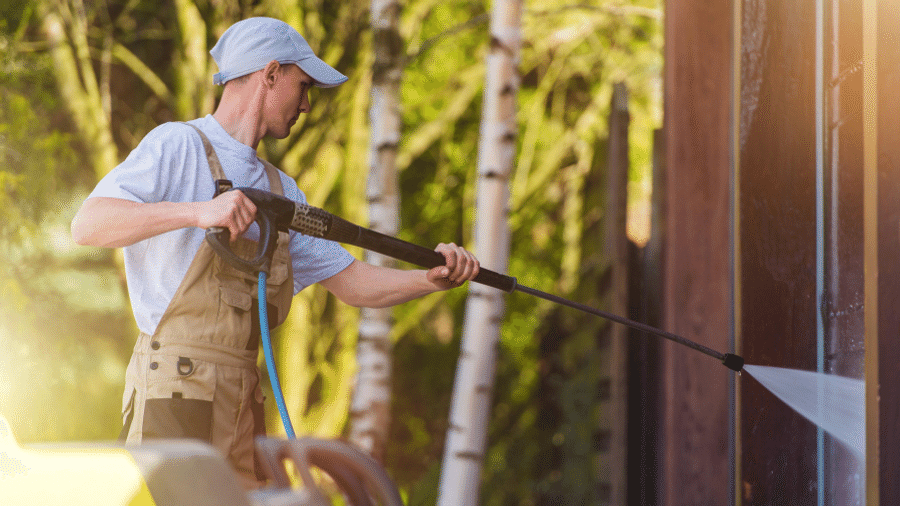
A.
pixel 278 271
pixel 235 321
pixel 179 402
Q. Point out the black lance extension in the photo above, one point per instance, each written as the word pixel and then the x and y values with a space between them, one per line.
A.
pixel 275 212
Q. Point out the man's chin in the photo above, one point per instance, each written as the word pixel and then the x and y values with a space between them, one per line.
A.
pixel 281 135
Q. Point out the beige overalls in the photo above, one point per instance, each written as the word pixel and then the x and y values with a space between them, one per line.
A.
pixel 196 376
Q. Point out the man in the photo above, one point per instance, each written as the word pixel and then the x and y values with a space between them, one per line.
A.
pixel 193 371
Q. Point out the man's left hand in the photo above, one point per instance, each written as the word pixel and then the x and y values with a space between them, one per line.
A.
pixel 461 266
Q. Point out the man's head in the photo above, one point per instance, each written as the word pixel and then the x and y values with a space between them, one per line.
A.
pixel 268 68
pixel 249 45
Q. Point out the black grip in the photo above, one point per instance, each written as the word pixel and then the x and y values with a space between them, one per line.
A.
pixel 371 240
pixel 219 238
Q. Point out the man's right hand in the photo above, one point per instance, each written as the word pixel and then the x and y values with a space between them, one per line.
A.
pixel 231 210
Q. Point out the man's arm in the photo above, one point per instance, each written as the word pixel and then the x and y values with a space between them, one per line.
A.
pixel 366 285
pixel 112 223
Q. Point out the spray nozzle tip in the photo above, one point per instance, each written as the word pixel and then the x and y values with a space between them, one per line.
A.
pixel 733 362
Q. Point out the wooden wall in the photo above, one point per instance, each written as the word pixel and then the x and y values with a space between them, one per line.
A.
pixel 756 145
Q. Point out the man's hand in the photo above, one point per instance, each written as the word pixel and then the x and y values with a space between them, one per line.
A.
pixel 461 266
pixel 231 210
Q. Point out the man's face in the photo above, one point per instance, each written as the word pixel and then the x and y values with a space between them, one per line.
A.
pixel 287 100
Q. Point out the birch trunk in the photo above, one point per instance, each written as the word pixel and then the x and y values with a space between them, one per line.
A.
pixel 370 405
pixel 470 408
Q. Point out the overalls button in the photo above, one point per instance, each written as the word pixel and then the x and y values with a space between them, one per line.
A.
pixel 155 345
pixel 153 365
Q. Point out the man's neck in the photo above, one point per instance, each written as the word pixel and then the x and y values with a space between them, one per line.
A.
pixel 240 114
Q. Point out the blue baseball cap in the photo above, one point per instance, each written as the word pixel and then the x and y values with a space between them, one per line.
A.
pixel 249 45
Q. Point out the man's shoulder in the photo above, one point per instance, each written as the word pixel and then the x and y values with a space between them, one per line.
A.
pixel 171 139
pixel 181 132
pixel 172 131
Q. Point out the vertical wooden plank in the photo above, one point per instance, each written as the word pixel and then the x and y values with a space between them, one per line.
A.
pixel 697 284
pixel 870 231
pixel 644 385
pixel 737 13
pixel 842 254
pixel 778 237
pixel 616 246
pixel 882 352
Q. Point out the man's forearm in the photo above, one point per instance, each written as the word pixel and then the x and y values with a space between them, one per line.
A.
pixel 113 223
pixel 365 285
pixel 398 286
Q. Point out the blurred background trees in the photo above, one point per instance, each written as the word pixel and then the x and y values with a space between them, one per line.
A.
pixel 84 81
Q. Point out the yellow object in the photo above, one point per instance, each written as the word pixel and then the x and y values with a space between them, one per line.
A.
pixel 97 476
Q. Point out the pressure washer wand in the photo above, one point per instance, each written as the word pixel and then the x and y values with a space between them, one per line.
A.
pixel 312 221
pixel 730 360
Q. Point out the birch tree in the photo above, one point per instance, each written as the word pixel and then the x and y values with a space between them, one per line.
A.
pixel 470 408
pixel 370 404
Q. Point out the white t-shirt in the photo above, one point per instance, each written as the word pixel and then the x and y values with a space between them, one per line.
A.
pixel 170 165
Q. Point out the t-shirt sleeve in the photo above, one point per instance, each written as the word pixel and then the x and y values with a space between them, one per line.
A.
pixel 313 259
pixel 160 168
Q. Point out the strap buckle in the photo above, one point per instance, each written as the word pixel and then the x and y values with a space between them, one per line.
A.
pixel 184 362
pixel 222 186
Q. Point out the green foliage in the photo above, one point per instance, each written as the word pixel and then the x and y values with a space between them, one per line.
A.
pixel 62 380
pixel 36 154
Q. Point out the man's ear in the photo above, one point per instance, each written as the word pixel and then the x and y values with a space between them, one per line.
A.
pixel 270 73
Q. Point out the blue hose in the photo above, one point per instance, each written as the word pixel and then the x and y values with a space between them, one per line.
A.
pixel 270 357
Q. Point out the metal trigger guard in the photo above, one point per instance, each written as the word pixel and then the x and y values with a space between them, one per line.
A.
pixel 220 238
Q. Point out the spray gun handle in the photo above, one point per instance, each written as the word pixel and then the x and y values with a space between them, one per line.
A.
pixel 219 238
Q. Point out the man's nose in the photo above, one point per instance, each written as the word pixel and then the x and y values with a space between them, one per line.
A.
pixel 304 103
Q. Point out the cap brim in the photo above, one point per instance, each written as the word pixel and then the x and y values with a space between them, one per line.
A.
pixel 322 73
